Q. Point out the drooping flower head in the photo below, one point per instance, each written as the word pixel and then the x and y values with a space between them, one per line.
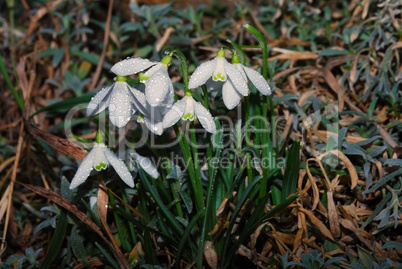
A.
pixel 156 78
pixel 189 109
pixel 219 70
pixel 231 78
pixel 256 78
pixel 120 98
pixel 99 158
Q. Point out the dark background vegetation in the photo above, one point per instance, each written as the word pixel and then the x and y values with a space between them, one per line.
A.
pixel 56 54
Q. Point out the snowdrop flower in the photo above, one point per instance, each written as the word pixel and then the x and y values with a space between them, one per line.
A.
pixel 219 70
pixel 99 158
pixel 120 98
pixel 156 78
pixel 189 109
pixel 152 116
pixel 231 95
pixel 133 159
pixel 256 78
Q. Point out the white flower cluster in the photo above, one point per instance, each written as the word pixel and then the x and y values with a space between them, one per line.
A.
pixel 155 105
pixel 100 157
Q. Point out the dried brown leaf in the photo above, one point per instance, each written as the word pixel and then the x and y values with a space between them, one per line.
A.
pixel 102 203
pixel 316 193
pixel 347 224
pixel 347 162
pixel 164 38
pixel 255 235
pixel 210 254
pixel 295 55
pixel 59 144
pixel 298 239
pixel 333 215
pixel 323 229
pixel 61 201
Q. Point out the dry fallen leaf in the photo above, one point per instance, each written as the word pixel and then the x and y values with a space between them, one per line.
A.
pixel 210 254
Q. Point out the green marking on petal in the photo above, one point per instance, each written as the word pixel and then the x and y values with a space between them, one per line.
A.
pixel 188 116
pixel 143 78
pixel 141 119
pixel 219 77
pixel 100 166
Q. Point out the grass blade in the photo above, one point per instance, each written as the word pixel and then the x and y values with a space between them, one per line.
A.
pixel 57 241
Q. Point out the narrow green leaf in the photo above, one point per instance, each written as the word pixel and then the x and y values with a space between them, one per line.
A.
pixel 183 241
pixel 233 218
pixel 65 104
pixel 107 256
pixel 384 180
pixel 17 96
pixel 77 245
pixel 291 176
pixel 158 200
pixel 56 242
pixel 392 244
pixel 333 52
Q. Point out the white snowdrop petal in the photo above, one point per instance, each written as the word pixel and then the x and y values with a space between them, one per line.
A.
pixel 237 79
pixel 146 164
pixel 204 117
pixel 231 97
pixel 174 114
pixel 189 111
pixel 92 201
pixel 219 73
pixel 154 120
pixel 120 168
pixel 157 87
pixel 131 66
pixel 202 73
pixel 100 161
pixel 258 80
pixel 83 170
pixel 214 87
pixel 154 127
pixel 241 70
pixel 156 68
pixel 168 101
pixel 120 109
pixel 100 101
pixel 138 99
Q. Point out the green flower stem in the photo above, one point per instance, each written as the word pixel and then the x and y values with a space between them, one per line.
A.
pixel 266 143
pixel 17 95
pixel 120 232
pixel 126 79
pixel 174 193
pixel 249 167
pixel 130 224
pixel 185 147
pixel 195 157
pixel 239 51
pixel 183 66
pixel 210 213
pixel 192 162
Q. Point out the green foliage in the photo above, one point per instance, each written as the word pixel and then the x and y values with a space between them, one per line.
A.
pixel 179 210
